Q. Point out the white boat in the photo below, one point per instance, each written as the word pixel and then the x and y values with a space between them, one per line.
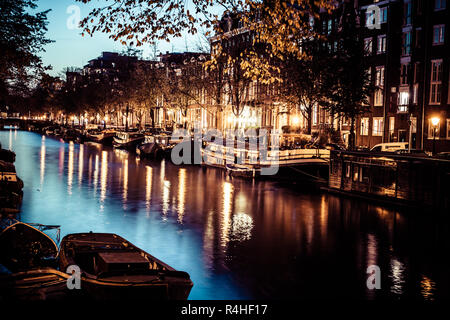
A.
pixel 127 140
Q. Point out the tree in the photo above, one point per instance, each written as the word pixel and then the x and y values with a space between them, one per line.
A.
pixel 22 37
pixel 303 84
pixel 278 23
pixel 348 77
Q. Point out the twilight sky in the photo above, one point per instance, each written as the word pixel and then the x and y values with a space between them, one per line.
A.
pixel 71 49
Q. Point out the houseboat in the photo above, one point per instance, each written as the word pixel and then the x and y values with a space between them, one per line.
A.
pixel 127 140
pixel 291 163
pixel 392 178
pixel 101 136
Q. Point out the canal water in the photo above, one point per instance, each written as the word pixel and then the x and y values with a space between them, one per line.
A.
pixel 237 239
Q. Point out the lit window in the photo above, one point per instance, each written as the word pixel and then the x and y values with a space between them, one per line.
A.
pixel 383 14
pixel 364 126
pixel 368 44
pixel 439 5
pixel 381 44
pixel 448 128
pixel 379 83
pixel 438 34
pixel 416 93
pixel 403 101
pixel 433 131
pixel 406 43
pixel 377 127
pixel 436 81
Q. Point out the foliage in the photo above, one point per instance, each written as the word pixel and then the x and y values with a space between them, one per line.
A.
pixel 22 37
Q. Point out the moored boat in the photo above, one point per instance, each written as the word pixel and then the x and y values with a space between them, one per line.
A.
pixel 25 247
pixel 101 136
pixel 127 140
pixel 113 268
pixel 10 187
pixel 36 284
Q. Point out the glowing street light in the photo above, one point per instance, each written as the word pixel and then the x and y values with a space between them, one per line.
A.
pixel 435 122
pixel 296 121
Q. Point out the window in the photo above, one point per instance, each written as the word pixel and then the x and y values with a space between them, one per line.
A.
pixel 329 26
pixel 436 81
pixel 381 44
pixel 391 129
pixel 403 100
pixel 377 129
pixel 404 73
pixel 417 72
pixel 413 125
pixel 438 34
pixel 406 43
pixel 433 130
pixel 407 13
pixel 416 93
pixel 379 83
pixel 448 128
pixel 364 126
pixel 418 37
pixel 368 44
pixel 383 15
pixel 439 5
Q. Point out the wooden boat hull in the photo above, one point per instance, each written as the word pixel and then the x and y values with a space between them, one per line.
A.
pixel 150 150
pixel 24 247
pixel 38 284
pixel 107 276
pixel 127 144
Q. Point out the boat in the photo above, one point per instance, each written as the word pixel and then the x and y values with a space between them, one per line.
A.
pixel 24 247
pixel 154 146
pixel 10 188
pixel 112 268
pixel 101 136
pixel 127 140
pixel 236 170
pixel 36 284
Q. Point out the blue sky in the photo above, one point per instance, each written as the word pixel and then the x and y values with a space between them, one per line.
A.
pixel 71 49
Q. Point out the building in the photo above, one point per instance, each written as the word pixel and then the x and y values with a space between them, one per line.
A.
pixel 409 56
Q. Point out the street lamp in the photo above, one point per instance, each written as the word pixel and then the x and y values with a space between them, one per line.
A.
pixel 435 123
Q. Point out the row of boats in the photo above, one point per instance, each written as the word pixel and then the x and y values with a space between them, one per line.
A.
pixel 86 266
pixel 239 160
pixel 150 143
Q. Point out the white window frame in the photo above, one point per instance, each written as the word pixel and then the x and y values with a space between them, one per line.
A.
pixel 368 46
pixel 436 81
pixel 441 39
pixel 448 129
pixel 377 127
pixel 364 131
pixel 381 44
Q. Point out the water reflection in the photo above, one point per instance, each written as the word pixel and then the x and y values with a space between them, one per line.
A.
pixel 427 287
pixel 148 188
pixel 42 162
pixel 103 175
pixel 70 169
pixel 226 212
pixel 236 239
pixel 125 184
pixel 397 270
pixel 242 226
pixel 181 193
pixel 80 164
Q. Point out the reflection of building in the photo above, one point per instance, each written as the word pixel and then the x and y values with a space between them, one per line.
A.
pixel 409 58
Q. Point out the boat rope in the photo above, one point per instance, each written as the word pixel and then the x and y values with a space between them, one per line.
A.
pixel 307 174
